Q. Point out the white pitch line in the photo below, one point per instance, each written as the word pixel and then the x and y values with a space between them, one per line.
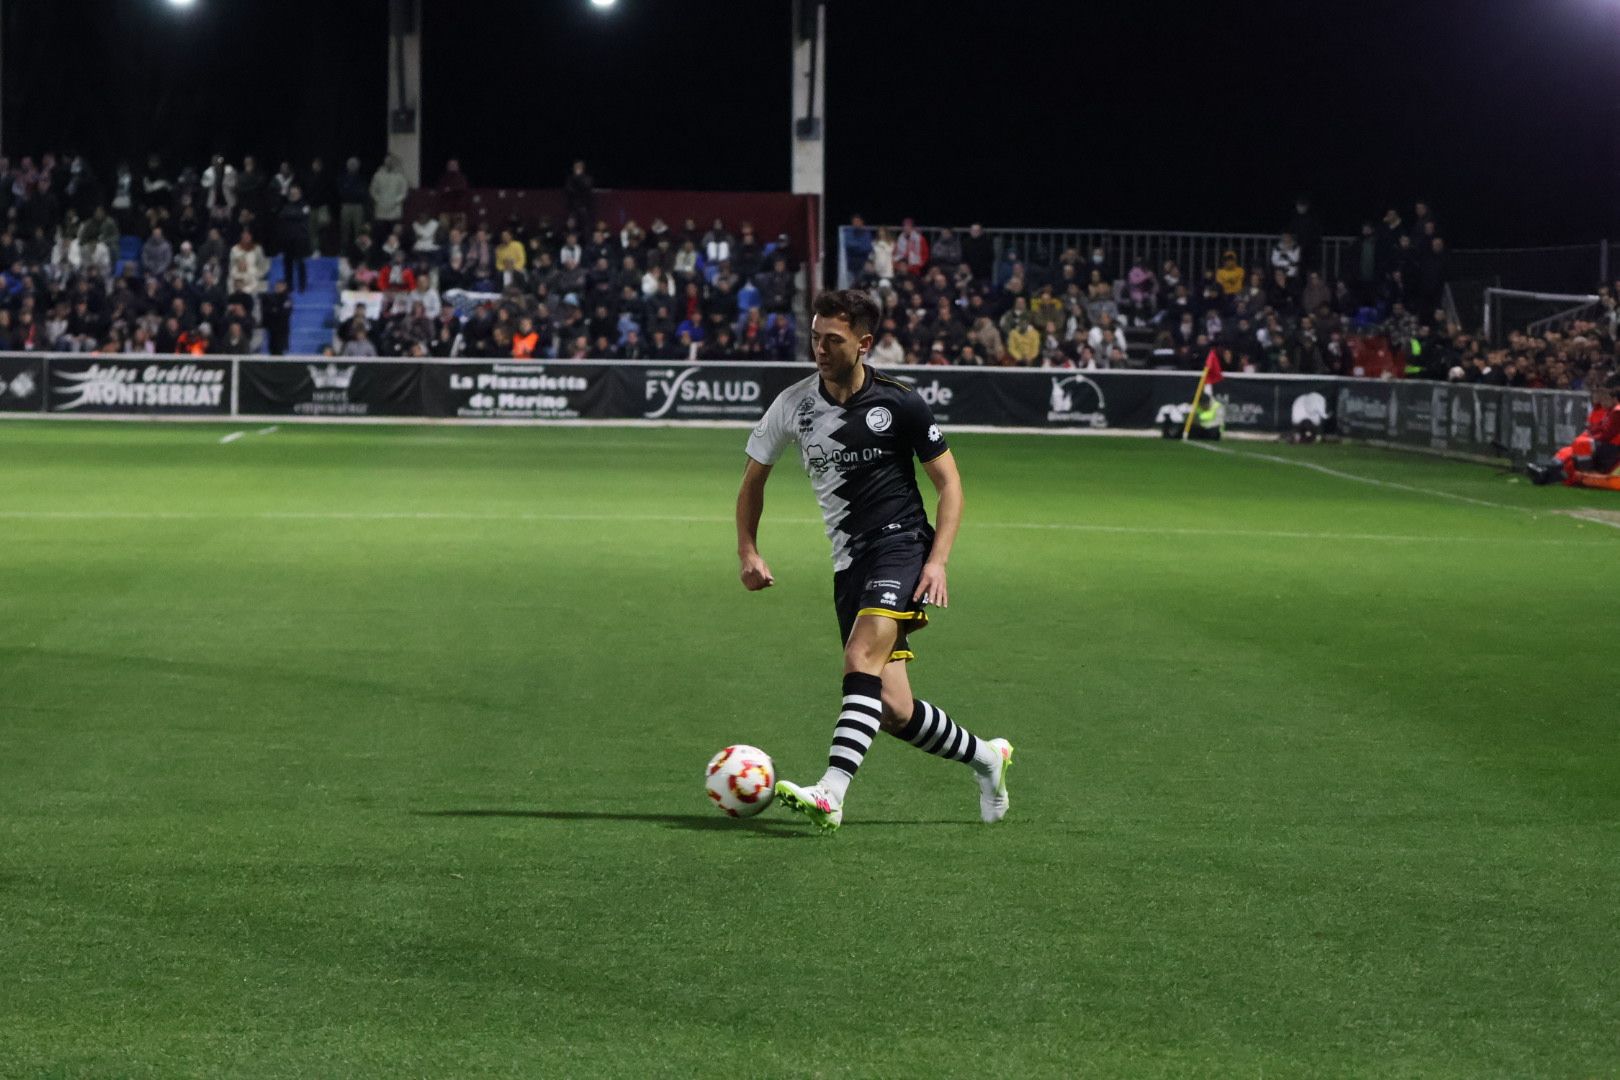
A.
pixel 1391 484
pixel 1596 517
pixel 683 519
pixel 271 430
pixel 232 437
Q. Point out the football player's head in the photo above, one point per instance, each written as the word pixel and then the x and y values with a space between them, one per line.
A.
pixel 841 330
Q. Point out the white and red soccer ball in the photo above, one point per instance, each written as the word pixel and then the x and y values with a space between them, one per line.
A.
pixel 741 780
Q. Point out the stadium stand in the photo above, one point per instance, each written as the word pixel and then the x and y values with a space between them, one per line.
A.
pixel 229 259
pixel 225 259
pixel 968 296
pixel 452 285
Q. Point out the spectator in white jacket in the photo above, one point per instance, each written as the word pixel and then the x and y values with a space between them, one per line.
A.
pixel 883 256
pixel 1104 335
pixel 717 244
pixel 388 190
pixel 571 251
pixel 426 228
pixel 249 266
pixel 219 188
pixel 887 352
pixel 657 283
pixel 426 297
pixel 686 262
pixel 1285 256
pixel 90 254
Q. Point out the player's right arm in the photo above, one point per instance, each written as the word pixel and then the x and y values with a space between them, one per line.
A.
pixel 750 504
pixel 765 445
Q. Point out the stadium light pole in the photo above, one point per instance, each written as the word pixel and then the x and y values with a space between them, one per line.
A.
pixel 809 172
pixel 405 87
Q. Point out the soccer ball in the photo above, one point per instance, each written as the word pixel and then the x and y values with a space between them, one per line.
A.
pixel 741 780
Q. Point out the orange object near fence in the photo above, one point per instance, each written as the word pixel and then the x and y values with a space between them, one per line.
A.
pixel 1607 481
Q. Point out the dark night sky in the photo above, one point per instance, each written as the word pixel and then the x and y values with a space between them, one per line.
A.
pixel 1126 114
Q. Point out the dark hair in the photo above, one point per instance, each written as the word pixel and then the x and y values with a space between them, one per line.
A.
pixel 854 306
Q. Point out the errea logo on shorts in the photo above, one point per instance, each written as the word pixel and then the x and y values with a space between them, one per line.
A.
pixel 879 419
pixel 933 433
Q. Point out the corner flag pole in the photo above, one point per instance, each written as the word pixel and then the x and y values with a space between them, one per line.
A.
pixel 1210 362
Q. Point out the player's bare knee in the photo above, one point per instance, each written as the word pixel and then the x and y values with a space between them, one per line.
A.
pixel 869 646
pixel 865 655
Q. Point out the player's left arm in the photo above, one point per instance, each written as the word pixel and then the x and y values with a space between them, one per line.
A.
pixel 947 519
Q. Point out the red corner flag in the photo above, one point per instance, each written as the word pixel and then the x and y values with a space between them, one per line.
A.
pixel 1212 369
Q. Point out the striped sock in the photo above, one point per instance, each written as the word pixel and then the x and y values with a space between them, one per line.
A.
pixel 931 730
pixel 857 724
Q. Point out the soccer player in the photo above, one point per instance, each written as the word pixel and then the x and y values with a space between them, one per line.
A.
pixel 857 431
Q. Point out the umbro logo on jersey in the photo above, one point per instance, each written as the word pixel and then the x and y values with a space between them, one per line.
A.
pixel 879 419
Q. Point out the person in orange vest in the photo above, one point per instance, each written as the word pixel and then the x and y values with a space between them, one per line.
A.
pixel 1597 449
pixel 194 342
pixel 525 341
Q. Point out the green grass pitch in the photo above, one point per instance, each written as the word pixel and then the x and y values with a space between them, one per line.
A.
pixel 377 751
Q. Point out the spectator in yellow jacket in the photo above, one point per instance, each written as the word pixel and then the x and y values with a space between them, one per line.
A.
pixel 1230 276
pixel 1045 307
pixel 1023 344
pixel 510 255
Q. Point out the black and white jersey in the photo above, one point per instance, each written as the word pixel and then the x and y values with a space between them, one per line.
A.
pixel 858 455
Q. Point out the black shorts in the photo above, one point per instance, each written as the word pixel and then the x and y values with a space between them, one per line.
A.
pixel 880 582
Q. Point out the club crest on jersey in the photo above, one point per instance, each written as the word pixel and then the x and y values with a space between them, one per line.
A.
pixel 879 419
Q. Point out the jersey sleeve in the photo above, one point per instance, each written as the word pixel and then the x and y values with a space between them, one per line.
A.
pixel 919 429
pixel 773 433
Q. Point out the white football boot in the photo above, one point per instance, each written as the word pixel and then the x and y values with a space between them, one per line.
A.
pixel 993 800
pixel 813 802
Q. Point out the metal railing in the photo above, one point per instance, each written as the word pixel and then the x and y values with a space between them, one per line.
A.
pixel 1561 268
pixel 1193 252
pixel 1547 311
pixel 1593 310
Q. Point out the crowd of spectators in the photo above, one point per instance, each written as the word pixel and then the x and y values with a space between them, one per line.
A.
pixel 196 281
pixel 576 289
pixel 951 299
pixel 178 261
